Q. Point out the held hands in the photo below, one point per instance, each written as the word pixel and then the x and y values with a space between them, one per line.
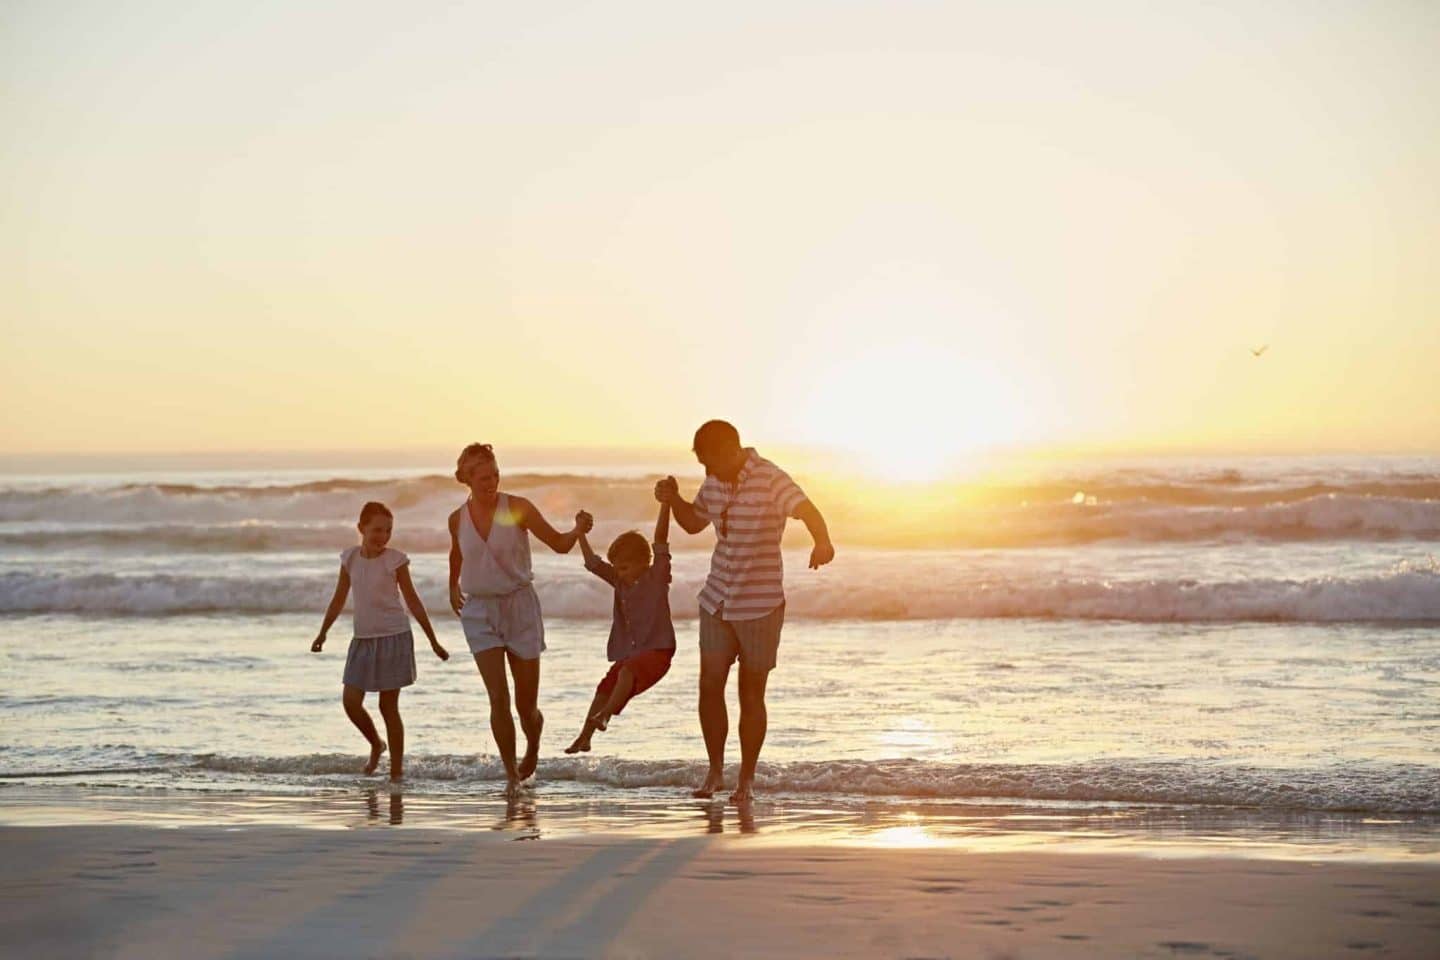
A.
pixel 821 555
pixel 667 490
pixel 584 523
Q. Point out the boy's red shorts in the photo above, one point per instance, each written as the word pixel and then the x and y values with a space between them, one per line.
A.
pixel 647 666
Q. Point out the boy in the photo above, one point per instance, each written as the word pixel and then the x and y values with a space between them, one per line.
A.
pixel 642 638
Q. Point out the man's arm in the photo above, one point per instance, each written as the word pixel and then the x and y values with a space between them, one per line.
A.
pixel 824 550
pixel 667 491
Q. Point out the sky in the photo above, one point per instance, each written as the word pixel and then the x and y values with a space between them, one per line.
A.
pixel 906 230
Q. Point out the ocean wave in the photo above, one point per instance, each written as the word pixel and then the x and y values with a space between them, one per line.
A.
pixel 1376 787
pixel 1068 523
pixel 913 589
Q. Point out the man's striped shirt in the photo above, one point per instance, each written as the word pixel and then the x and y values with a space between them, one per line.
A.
pixel 746 572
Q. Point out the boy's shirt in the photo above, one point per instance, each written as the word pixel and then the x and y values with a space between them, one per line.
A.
pixel 641 619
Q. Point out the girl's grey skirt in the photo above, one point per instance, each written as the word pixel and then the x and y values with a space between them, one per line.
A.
pixel 381 663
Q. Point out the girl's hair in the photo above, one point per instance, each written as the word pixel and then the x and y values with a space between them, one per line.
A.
pixel 372 509
pixel 629 546
pixel 482 450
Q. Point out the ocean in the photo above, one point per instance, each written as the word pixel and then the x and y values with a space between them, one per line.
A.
pixel 1140 650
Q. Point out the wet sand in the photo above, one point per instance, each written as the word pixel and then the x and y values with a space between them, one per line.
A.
pixel 198 892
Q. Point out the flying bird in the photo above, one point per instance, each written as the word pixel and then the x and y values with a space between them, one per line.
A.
pixel 1256 353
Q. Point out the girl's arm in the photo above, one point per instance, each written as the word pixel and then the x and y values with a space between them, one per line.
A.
pixel 531 519
pixel 417 609
pixel 457 599
pixel 337 603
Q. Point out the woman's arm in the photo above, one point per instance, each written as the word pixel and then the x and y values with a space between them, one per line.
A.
pixel 532 520
pixel 417 609
pixel 457 599
pixel 337 603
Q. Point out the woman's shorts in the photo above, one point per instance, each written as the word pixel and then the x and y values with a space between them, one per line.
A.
pixel 755 643
pixel 647 667
pixel 511 621
pixel 381 663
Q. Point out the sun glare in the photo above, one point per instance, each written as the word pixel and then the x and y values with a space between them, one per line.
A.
pixel 910 413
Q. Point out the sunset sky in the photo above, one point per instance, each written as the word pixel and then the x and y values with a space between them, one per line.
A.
pixel 878 226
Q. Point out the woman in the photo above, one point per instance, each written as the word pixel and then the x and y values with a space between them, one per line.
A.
pixel 491 592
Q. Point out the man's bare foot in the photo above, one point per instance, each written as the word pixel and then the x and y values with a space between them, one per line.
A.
pixel 581 745
pixel 376 749
pixel 714 780
pixel 531 760
pixel 600 720
pixel 397 776
pixel 744 793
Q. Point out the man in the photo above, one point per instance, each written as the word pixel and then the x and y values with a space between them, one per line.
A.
pixel 742 606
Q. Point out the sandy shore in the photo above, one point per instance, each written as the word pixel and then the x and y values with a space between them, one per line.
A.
pixel 127 891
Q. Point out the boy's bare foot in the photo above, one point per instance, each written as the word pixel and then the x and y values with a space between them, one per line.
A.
pixel 714 780
pixel 376 748
pixel 744 793
pixel 531 760
pixel 581 745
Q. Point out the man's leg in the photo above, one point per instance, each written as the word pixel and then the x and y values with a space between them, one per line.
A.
pixel 532 721
pixel 714 718
pixel 753 721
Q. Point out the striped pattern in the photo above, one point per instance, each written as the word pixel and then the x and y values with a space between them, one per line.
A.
pixel 746 573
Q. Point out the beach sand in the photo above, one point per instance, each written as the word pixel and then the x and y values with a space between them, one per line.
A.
pixel 198 892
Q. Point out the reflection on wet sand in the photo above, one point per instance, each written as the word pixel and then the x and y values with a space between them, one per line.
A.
pixel 713 812
pixel 396 805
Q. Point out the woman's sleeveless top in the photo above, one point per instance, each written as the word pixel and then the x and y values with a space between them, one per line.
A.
pixel 499 565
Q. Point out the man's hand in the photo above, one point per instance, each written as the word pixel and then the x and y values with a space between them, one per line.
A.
pixel 821 555
pixel 318 644
pixel 457 599
pixel 667 490
pixel 440 651
pixel 584 523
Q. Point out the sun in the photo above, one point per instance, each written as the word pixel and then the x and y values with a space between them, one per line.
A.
pixel 910 412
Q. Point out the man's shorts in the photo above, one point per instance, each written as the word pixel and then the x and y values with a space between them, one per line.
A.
pixel 647 667
pixel 511 621
pixel 756 643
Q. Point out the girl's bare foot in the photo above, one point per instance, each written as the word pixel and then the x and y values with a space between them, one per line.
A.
pixel 376 748
pixel 581 745
pixel 714 780
pixel 531 760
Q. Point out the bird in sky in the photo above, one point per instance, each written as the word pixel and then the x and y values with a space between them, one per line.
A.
pixel 1255 353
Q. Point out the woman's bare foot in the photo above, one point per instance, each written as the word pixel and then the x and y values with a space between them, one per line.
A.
pixel 714 780
pixel 581 745
pixel 744 792
pixel 512 788
pixel 376 748
pixel 531 760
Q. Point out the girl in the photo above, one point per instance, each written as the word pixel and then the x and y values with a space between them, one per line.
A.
pixel 491 593
pixel 382 654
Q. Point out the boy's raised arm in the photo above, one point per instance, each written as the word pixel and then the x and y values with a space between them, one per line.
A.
pixel 667 491
pixel 662 524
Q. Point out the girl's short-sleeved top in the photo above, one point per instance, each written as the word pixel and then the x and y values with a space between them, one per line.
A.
pixel 378 609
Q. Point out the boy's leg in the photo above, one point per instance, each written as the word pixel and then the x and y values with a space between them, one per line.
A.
pixel 491 664
pixel 619 694
pixel 532 721
pixel 582 742
pixel 394 731
pixel 354 700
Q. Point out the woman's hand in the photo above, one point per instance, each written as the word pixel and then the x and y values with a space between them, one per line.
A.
pixel 457 599
pixel 440 651
pixel 318 644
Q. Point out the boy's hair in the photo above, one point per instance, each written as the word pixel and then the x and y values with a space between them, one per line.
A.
pixel 372 509
pixel 482 450
pixel 714 433
pixel 629 546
